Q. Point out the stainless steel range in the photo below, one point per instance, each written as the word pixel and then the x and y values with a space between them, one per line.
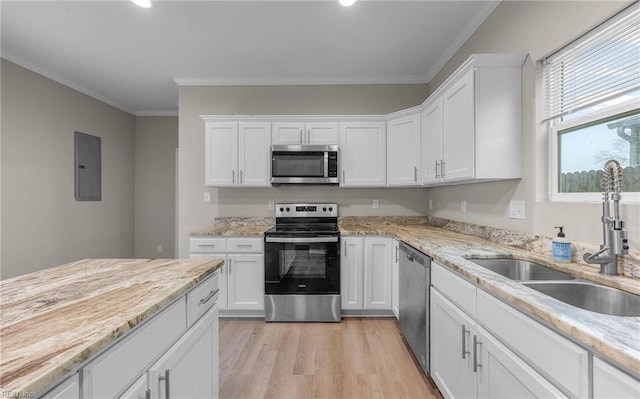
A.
pixel 302 264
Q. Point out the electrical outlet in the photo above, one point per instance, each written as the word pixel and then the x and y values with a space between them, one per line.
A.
pixel 463 206
pixel 159 249
pixel 430 204
pixel 207 196
pixel 376 205
pixel 516 209
pixel 270 205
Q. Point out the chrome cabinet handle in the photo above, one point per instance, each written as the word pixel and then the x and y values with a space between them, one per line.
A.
pixel 230 265
pixel 208 297
pixel 465 352
pixel 415 173
pixel 206 245
pixel 343 179
pixel 240 181
pixel 166 379
pixel 233 176
pixel 308 136
pixel 397 254
pixel 437 164
pixel 442 169
pixel 345 249
pixel 476 343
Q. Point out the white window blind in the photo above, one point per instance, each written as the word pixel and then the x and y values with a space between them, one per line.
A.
pixel 601 65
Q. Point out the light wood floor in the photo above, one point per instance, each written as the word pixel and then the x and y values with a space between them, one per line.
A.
pixel 358 358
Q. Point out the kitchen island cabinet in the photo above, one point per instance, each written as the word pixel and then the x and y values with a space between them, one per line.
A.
pixel 77 328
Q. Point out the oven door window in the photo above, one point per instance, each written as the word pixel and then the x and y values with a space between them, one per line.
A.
pixel 299 164
pixel 303 262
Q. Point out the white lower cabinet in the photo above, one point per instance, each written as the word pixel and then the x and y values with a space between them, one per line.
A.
pixel 451 360
pixel 177 348
pixel 69 389
pixel 365 277
pixel 189 369
pixel 609 382
pixel 395 277
pixel 469 361
pixel 242 275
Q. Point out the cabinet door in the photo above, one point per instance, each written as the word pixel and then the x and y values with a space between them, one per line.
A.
pixel 502 374
pixel 253 154
pixel 403 151
pixel 351 273
pixel 363 154
pixel 451 352
pixel 322 133
pixel 245 280
pixel 377 273
pixel 189 369
pixel 395 277
pixel 69 389
pixel 432 141
pixel 138 390
pixel 459 129
pixel 287 133
pixel 610 382
pixel 221 154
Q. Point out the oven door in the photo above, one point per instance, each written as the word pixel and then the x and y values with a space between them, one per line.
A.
pixel 302 265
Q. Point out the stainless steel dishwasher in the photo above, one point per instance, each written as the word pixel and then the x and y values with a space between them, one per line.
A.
pixel 415 279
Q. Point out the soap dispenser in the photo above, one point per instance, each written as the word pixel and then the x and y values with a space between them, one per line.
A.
pixel 561 247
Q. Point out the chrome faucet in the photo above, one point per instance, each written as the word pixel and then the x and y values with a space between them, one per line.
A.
pixel 614 235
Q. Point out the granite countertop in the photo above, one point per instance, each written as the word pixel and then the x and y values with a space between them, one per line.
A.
pixel 236 226
pixel 611 337
pixel 54 319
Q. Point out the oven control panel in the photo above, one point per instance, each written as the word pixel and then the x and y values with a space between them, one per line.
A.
pixel 306 210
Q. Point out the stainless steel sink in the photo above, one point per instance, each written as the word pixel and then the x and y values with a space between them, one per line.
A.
pixel 521 270
pixel 592 297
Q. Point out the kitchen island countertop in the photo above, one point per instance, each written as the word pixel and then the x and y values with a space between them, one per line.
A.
pixel 55 319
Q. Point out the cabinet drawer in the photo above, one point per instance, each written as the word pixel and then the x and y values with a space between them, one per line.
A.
pixel 207 245
pixel 113 370
pixel 558 359
pixel 248 245
pixel 454 287
pixel 202 298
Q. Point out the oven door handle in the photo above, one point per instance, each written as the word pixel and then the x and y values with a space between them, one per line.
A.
pixel 304 240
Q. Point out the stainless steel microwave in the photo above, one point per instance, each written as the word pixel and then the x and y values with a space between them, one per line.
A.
pixel 304 164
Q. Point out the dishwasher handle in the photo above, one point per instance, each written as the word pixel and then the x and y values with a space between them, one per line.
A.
pixel 413 255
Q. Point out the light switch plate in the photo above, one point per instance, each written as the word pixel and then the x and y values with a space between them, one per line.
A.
pixel 376 204
pixel 430 204
pixel 270 205
pixel 463 206
pixel 207 196
pixel 516 209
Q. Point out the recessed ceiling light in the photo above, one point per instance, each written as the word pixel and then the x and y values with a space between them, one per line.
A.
pixel 347 3
pixel 143 3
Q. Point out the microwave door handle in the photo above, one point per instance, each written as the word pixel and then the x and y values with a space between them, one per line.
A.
pixel 326 164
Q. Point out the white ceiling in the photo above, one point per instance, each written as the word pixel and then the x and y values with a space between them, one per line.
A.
pixel 135 58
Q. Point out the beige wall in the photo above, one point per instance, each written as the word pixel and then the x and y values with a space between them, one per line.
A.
pixel 156 140
pixel 275 100
pixel 537 28
pixel 42 224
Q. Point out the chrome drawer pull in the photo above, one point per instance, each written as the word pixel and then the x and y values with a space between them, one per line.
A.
pixel 165 378
pixel 208 298
pixel 476 343
pixel 465 352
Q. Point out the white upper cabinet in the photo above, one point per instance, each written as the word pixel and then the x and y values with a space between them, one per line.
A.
pixel 237 154
pixel 432 140
pixel 471 125
pixel 403 151
pixel 305 133
pixel 363 154
pixel 254 164
pixel 221 153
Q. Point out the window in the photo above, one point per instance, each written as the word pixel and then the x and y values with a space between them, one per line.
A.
pixel 592 103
